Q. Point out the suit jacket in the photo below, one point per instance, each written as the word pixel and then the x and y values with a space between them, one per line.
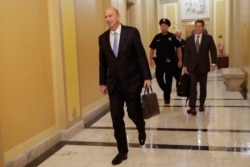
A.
pixel 192 59
pixel 131 66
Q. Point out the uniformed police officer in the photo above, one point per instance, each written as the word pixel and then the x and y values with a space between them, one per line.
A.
pixel 165 58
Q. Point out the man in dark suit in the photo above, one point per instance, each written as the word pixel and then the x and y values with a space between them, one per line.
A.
pixel 197 63
pixel 122 76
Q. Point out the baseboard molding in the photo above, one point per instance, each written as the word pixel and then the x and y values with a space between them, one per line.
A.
pixel 63 135
pixel 31 154
pixel 95 114
pixel 72 131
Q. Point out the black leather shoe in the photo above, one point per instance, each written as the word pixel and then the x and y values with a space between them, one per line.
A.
pixel 191 111
pixel 167 101
pixel 201 108
pixel 142 137
pixel 119 158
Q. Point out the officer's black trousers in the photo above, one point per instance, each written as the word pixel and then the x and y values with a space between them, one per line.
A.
pixel 164 74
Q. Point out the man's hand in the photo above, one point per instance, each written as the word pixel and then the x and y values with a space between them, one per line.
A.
pixel 212 67
pixel 103 89
pixel 147 83
pixel 184 70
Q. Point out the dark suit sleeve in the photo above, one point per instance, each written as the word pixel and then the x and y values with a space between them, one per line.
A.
pixel 141 56
pixel 213 50
pixel 103 66
pixel 186 52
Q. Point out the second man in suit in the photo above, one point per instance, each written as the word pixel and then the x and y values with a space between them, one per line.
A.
pixel 197 63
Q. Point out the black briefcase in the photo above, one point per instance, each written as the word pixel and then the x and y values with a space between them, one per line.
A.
pixel 183 86
pixel 150 105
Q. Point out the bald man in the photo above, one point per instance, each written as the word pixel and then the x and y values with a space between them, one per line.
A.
pixel 122 75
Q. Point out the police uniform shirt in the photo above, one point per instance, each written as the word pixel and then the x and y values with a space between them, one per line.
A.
pixel 165 45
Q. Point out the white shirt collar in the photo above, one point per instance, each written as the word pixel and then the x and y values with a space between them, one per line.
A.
pixel 196 35
pixel 118 30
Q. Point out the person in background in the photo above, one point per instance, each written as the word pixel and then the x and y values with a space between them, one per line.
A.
pixel 165 59
pixel 123 72
pixel 197 63
pixel 182 42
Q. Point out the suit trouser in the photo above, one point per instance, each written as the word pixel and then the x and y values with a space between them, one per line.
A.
pixel 134 109
pixel 194 79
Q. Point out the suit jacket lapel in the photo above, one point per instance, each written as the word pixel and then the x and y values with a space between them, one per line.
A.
pixel 193 43
pixel 123 36
pixel 107 41
pixel 203 39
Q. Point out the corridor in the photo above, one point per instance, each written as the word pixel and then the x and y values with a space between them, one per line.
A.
pixel 218 137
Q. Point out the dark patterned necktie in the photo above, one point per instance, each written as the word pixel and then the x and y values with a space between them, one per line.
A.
pixel 197 44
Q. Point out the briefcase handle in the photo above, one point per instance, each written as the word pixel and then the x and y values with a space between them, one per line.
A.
pixel 147 89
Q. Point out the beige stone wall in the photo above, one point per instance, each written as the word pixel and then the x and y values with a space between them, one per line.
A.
pixel 239 52
pixel 27 97
pixel 48 75
pixel 90 24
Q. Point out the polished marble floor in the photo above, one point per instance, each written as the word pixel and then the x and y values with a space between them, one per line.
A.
pixel 218 137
